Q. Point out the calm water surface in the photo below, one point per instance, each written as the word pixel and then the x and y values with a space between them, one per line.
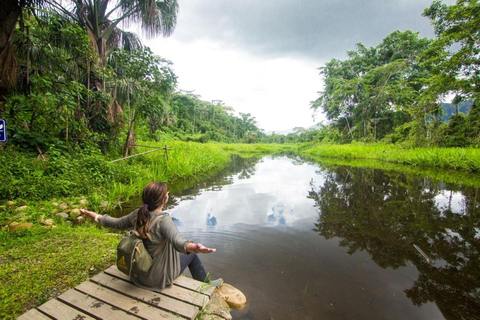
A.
pixel 304 241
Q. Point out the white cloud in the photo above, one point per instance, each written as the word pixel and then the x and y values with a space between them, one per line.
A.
pixel 262 57
pixel 276 91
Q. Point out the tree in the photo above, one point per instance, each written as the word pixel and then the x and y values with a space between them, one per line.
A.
pixel 102 17
pixel 454 60
pixel 52 108
pixel 363 93
pixel 248 126
pixel 146 84
pixel 10 14
pixel 454 54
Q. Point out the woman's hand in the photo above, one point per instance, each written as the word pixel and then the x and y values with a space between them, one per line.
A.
pixel 89 213
pixel 200 248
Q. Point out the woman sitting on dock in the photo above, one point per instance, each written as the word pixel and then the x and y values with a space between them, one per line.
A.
pixel 178 253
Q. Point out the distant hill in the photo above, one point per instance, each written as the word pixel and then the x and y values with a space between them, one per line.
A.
pixel 449 109
pixel 286 132
pixel 281 132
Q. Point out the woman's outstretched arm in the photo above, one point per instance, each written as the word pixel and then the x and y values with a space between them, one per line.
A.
pixel 199 248
pixel 123 223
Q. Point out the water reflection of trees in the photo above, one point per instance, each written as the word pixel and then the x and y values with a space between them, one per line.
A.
pixel 243 167
pixel 188 189
pixel 386 213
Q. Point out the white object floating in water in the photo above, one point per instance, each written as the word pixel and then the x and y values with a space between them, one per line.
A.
pixel 422 253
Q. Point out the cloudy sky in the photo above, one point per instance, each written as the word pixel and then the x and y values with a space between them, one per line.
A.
pixel 262 56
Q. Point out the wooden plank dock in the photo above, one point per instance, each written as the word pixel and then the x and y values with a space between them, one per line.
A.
pixel 111 295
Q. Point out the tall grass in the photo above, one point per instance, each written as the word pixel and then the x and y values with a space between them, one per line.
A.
pixel 182 160
pixel 467 159
pixel 40 263
pixel 258 148
pixel 460 178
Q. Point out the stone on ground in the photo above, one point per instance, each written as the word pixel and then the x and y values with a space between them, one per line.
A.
pixel 234 297
pixel 217 308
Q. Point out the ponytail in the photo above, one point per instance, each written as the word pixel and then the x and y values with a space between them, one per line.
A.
pixel 154 195
pixel 143 220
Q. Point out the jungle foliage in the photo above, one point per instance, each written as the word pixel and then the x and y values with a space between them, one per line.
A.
pixel 73 77
pixel 394 91
pixel 67 94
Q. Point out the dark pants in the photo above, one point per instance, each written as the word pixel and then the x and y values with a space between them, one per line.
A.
pixel 192 261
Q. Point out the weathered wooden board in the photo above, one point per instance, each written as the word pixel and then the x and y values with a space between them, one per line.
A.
pixel 94 306
pixel 181 281
pixel 123 302
pixel 180 293
pixel 111 295
pixel 194 285
pixel 153 298
pixel 59 310
pixel 33 314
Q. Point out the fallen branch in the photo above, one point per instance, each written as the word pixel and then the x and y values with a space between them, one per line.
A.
pixel 139 154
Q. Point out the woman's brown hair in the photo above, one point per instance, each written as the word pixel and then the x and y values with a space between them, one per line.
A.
pixel 154 195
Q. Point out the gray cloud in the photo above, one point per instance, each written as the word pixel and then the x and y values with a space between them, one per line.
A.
pixel 313 29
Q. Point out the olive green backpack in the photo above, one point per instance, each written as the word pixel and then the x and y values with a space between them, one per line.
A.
pixel 133 258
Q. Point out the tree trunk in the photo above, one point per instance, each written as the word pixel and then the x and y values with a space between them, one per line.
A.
pixel 9 13
pixel 102 51
pixel 130 139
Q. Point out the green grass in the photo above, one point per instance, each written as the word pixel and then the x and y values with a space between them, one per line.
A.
pixel 39 263
pixel 183 160
pixel 460 178
pixel 259 148
pixel 466 159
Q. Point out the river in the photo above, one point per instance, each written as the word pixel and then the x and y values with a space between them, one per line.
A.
pixel 305 240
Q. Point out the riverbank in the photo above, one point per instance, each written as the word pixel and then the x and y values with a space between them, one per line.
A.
pixel 41 254
pixel 47 255
pixel 465 159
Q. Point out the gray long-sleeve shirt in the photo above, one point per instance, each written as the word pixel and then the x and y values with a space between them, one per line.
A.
pixel 166 264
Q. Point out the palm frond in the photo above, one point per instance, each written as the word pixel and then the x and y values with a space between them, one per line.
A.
pixel 130 41
pixel 125 40
pixel 155 17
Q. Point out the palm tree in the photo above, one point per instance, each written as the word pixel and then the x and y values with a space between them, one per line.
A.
pixel 10 14
pixel 102 18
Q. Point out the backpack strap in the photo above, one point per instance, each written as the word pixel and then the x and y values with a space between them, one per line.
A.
pixel 164 242
pixel 155 220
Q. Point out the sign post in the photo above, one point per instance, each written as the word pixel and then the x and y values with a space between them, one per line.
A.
pixel 3 130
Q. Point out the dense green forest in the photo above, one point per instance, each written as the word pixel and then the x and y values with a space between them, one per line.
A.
pixel 73 77
pixel 61 92
pixel 393 92
pixel 77 91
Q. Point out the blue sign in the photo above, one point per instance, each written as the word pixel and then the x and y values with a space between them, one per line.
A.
pixel 3 130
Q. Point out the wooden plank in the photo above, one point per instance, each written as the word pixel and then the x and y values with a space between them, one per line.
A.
pixel 150 297
pixel 123 302
pixel 194 285
pixel 33 314
pixel 93 306
pixel 181 281
pixel 59 310
pixel 189 296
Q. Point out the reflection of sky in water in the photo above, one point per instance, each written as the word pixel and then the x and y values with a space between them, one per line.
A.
pixel 455 201
pixel 276 194
pixel 266 245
